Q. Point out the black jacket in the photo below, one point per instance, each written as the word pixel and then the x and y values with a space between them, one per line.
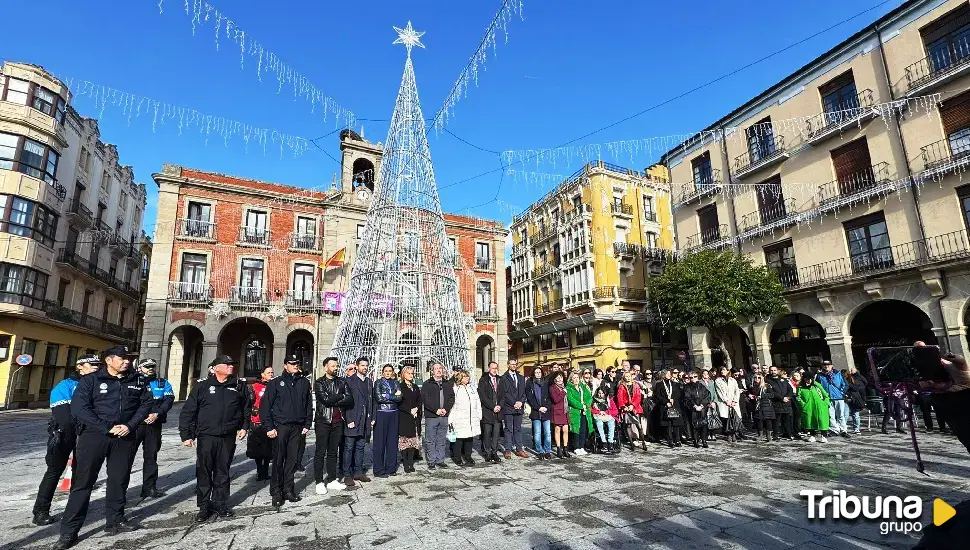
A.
pixel 542 401
pixel 359 414
pixel 384 394
pixel 760 402
pixel 780 390
pixel 102 401
pixel 510 393
pixel 431 393
pixel 329 394
pixel 489 398
pixel 215 408
pixel 287 401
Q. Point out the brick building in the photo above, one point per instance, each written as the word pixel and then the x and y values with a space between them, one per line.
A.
pixel 237 268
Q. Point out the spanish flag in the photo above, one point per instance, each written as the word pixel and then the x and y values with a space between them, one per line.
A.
pixel 337 260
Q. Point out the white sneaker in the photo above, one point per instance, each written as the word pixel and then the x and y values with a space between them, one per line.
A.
pixel 821 439
pixel 321 489
pixel 579 452
pixel 336 485
pixel 811 439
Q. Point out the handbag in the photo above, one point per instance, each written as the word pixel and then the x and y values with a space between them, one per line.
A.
pixel 452 435
pixel 671 413
pixel 713 420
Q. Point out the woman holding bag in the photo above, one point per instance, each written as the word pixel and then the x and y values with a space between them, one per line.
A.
pixel 409 419
pixel 668 395
pixel 259 447
pixel 464 420
pixel 560 413
pixel 631 403
pixel 580 399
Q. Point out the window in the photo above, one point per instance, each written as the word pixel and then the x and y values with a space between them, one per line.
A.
pixel 761 140
pixel 528 345
pixel 255 229
pixel 192 280
pixel 107 308
pixel 771 200
pixel 853 167
pixel 35 159
pixel 963 193
pixel 584 336
pixel 562 340
pixel 86 304
pixel 707 219
pixel 28 347
pixel 648 211
pixel 72 353
pixel 303 279
pixel 113 268
pixel 483 298
pixel 869 246
pixel 483 255
pixel 84 161
pixel 629 332
pixel 453 251
pixel 955 114
pixel 545 342
pixel 306 233
pixel 255 360
pixel 780 258
pixel 651 239
pixel 50 355
pixel 577 202
pixel 359 238
pixel 105 183
pixel 948 39
pixel 617 201
pixel 16 91
pixel 839 95
pixel 122 315
pixel 62 291
pixel 251 276
pixel 46 380
pixel 198 222
pixel 4 347
pixel 22 285
pixel 703 173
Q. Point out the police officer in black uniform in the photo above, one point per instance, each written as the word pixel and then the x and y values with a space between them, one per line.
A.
pixel 217 415
pixel 108 406
pixel 149 433
pixel 286 411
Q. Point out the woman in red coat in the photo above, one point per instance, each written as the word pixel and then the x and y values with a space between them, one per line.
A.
pixel 259 447
pixel 629 400
pixel 560 414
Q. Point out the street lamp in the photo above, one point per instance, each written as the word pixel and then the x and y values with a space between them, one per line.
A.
pixel 662 320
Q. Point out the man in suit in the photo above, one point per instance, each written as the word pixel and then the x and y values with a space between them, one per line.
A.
pixel 488 395
pixel 438 397
pixel 358 423
pixel 511 390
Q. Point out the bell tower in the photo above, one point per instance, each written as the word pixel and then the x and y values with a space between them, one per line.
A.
pixel 359 162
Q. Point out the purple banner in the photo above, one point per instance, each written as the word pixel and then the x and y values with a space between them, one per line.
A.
pixel 333 301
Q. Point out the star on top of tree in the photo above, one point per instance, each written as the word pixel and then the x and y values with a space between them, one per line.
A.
pixel 409 37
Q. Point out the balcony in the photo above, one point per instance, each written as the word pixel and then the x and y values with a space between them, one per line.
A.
pixel 942 248
pixel 519 248
pixel 195 229
pixel 621 210
pixel 939 68
pixel 304 299
pixel 945 156
pixel 626 250
pixel 851 111
pixel 305 241
pixel 872 179
pixel 545 232
pixel 484 264
pixel 134 257
pixel 117 245
pixel 704 186
pixel 788 276
pixel 254 236
pixel 766 151
pixel 650 216
pixel 544 270
pixel 714 237
pixel 60 313
pixel 78 215
pixel 247 296
pixel 577 212
pixel 632 294
pixel 604 293
pixel 71 259
pixel 655 254
pixel 486 313
pixel 768 214
pixel 198 294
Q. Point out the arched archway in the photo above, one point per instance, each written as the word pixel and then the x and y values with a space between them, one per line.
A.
pixel 300 343
pixel 798 340
pixel 363 173
pixel 888 323
pixel 737 343
pixel 184 358
pixel 484 352
pixel 250 342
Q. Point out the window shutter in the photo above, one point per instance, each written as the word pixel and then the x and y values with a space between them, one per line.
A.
pixel 836 83
pixel 851 159
pixel 946 24
pixel 955 113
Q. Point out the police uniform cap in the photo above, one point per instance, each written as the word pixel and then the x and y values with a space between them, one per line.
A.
pixel 147 364
pixel 222 360
pixel 90 358
pixel 120 351
pixel 293 360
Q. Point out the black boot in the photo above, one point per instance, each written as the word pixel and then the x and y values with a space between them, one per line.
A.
pixel 43 518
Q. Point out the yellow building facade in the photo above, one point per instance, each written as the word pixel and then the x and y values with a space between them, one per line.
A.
pixel 581 259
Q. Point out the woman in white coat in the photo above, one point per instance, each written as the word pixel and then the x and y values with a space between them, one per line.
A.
pixel 465 419
pixel 728 397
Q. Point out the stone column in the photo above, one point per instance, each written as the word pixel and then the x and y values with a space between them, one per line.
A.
pixel 208 355
pixel 840 348
pixel 957 339
pixel 176 358
pixel 700 352
pixel 758 334
pixel 279 355
pixel 163 250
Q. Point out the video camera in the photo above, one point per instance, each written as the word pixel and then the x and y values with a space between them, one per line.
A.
pixel 907 364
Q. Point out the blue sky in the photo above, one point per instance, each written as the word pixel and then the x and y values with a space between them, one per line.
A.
pixel 570 67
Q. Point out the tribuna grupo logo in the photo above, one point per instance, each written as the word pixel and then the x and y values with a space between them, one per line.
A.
pixel 895 514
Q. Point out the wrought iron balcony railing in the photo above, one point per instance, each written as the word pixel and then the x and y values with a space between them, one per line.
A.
pixel 845 112
pixel 197 293
pixel 650 215
pixel 768 214
pixel 486 312
pixel 484 264
pixel 304 299
pixel 304 241
pixel 704 185
pixel 939 65
pixel 543 270
pixel 636 294
pixel 621 248
pixel 196 229
pixel 855 184
pixel 708 236
pixel 604 293
pixel 79 214
pixel 621 209
pixel 247 295
pixel 257 236
pixel 946 153
pixel 760 153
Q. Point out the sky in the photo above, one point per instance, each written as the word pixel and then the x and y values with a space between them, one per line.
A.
pixel 569 67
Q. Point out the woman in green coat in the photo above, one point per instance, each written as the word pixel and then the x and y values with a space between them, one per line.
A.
pixel 580 399
pixel 813 408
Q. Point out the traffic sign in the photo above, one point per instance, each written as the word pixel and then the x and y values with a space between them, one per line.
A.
pixel 23 360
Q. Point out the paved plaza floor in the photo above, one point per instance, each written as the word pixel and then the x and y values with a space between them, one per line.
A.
pixel 738 496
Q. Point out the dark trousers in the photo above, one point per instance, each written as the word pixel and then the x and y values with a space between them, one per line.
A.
pixel 489 438
pixel 766 427
pixel 462 448
pixel 783 424
pixel 353 455
pixel 326 451
pixel 285 455
pixel 213 456
pixel 578 440
pixel 301 450
pixel 149 438
pixel 57 457
pixel 796 419
pixel 408 458
pixel 891 409
pixel 93 450
pixel 385 443
pixel 513 433
pixel 954 406
pixel 700 434
pixel 262 467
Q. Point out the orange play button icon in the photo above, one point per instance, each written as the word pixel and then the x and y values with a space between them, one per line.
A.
pixel 942 512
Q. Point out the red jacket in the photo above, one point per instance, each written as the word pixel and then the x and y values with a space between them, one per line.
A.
pixel 610 408
pixel 623 398
pixel 258 388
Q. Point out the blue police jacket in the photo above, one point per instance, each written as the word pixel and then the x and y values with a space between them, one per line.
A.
pixel 163 397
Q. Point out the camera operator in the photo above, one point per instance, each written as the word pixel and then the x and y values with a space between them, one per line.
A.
pixel 952 398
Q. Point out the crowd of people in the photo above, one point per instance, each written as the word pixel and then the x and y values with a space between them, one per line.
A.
pixel 107 409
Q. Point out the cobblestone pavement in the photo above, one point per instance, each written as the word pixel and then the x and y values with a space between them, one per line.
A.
pixel 741 496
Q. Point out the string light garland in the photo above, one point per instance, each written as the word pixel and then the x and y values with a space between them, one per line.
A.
pixel 478 60
pixel 184 118
pixel 203 14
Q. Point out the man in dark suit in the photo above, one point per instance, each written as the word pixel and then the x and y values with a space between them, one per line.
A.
pixel 358 423
pixel 511 390
pixel 488 393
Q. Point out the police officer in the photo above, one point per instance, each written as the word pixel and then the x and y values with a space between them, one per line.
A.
pixel 63 437
pixel 287 414
pixel 149 433
pixel 217 415
pixel 108 406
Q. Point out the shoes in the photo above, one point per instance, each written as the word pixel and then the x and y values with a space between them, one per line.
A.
pixel 43 518
pixel 203 515
pixel 117 529
pixel 362 477
pixel 643 444
pixel 559 452
pixel 349 482
pixel 508 455
pixel 811 439
pixel 335 484
pixel 277 501
pixel 431 466
pixel 580 452
pixel 456 460
pixel 64 543
pixel 845 435
pixel 442 465
pixel 548 456
pixel 821 439
pixel 522 454
pixel 469 461
pixel 857 432
pixel 292 497
pixel 224 511
pixel 768 439
pixel 704 444
pixel 409 469
pixel 320 489
pixel 152 493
